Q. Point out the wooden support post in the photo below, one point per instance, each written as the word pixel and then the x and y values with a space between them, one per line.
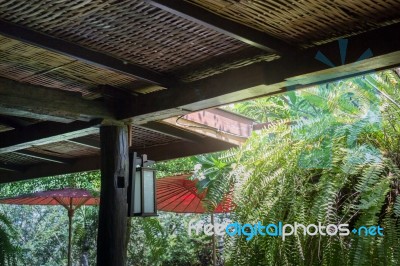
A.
pixel 113 198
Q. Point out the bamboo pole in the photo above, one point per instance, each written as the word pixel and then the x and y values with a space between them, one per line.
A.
pixel 70 216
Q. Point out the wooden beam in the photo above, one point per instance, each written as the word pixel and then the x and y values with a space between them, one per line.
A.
pixel 11 168
pixel 206 131
pixel 91 143
pixel 44 133
pixel 44 157
pixel 184 148
pixel 159 153
pixel 195 71
pixel 223 121
pixel 231 86
pixel 225 26
pixel 113 198
pixel 173 131
pixel 81 53
pixel 269 78
pixel 26 100
pixel 247 82
pixel 17 112
pixel 14 122
pixel 397 70
pixel 52 169
pixel 216 123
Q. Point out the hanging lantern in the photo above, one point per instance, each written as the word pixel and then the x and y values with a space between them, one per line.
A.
pixel 142 186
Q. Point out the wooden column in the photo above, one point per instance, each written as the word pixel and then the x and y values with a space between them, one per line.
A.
pixel 113 198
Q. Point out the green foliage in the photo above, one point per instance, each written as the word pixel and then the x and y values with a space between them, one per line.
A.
pixel 85 234
pixel 336 162
pixel 43 230
pixel 263 109
pixel 86 180
pixel 8 250
pixel 174 167
pixel 215 173
pixel 331 155
pixel 165 241
pixel 43 233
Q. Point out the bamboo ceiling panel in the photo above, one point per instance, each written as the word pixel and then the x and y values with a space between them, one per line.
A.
pixel 307 22
pixel 27 63
pixel 65 149
pixel 131 30
pixel 4 128
pixel 16 159
pixel 142 138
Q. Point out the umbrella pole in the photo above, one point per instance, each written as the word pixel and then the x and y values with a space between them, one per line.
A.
pixel 70 215
pixel 213 242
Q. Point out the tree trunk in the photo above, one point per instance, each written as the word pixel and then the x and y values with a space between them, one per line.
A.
pixel 113 198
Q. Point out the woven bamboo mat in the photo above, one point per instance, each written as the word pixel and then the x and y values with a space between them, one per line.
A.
pixel 142 138
pixel 131 30
pixel 16 159
pixel 307 22
pixel 221 64
pixel 5 128
pixel 65 149
pixel 27 63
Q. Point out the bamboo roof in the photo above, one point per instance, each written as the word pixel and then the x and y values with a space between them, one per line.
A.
pixel 70 66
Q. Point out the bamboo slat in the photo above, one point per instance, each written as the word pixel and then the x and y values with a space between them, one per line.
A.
pixel 27 63
pixel 307 22
pixel 131 30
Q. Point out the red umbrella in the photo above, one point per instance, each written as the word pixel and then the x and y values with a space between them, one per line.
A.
pixel 179 194
pixel 70 198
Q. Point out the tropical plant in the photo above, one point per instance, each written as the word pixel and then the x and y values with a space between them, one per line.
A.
pixel 8 249
pixel 336 161
pixel 215 173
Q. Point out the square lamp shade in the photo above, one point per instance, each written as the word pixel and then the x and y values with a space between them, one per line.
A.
pixel 142 187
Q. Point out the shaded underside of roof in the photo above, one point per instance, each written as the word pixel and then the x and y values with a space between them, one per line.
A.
pixel 130 30
pixel 29 64
pixel 160 141
pixel 139 33
pixel 143 51
pixel 307 22
pixel 76 148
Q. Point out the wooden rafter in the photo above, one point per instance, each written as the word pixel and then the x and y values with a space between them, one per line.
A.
pixel 246 82
pixel 173 131
pixel 225 26
pixel 222 121
pixel 13 122
pixel 44 157
pixel 44 133
pixel 81 53
pixel 158 153
pixel 11 168
pixel 26 100
pixel 87 142
pixel 274 77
